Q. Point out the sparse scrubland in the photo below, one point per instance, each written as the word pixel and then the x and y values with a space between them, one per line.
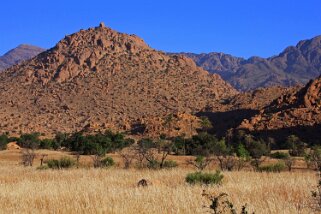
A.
pixel 115 190
pixel 100 173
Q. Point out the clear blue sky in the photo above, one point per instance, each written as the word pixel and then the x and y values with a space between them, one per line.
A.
pixel 239 27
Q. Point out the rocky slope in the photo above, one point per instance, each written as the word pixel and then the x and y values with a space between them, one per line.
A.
pixel 18 54
pixel 98 79
pixel 295 65
pixel 298 112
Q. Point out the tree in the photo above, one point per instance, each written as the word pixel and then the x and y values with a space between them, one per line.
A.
pixel 295 145
pixel 179 145
pixel 200 162
pixel 314 157
pixel 257 150
pixel 205 124
pixel 30 141
pixel 28 156
pixel 289 161
pixel 243 156
pixel 142 150
pixel 128 155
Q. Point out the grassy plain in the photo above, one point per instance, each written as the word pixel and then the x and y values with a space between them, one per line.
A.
pixel 114 190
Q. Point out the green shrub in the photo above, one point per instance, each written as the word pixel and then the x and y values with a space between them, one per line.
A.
pixel 62 163
pixel 280 155
pixel 153 164
pixel 277 167
pixel 4 140
pixel 53 164
pixel 204 178
pixel 107 162
pixel 170 164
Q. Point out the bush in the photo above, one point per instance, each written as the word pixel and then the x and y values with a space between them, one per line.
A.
pixel 170 164
pixel 62 163
pixel 277 167
pixel 107 162
pixel 4 140
pixel 153 164
pixel 280 155
pixel 46 144
pixel 30 141
pixel 204 178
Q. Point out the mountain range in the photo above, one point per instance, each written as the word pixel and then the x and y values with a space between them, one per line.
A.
pixel 99 79
pixel 295 65
pixel 18 54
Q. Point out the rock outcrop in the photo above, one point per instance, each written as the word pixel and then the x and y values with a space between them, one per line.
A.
pixel 297 110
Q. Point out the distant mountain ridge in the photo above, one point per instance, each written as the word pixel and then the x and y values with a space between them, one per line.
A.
pixel 295 65
pixel 19 54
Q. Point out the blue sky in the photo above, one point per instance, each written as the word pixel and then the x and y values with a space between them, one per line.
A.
pixel 238 27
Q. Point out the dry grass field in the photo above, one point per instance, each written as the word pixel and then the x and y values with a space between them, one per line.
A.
pixel 88 190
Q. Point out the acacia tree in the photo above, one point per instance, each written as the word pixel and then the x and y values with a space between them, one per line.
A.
pixel 200 162
pixel 257 151
pixel 128 155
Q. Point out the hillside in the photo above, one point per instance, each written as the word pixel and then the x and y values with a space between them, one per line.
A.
pixel 18 54
pixel 297 112
pixel 295 65
pixel 98 79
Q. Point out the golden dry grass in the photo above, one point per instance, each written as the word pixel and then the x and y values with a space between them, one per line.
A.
pixel 27 190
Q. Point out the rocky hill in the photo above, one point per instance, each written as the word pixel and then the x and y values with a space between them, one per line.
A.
pixel 18 54
pixel 98 79
pixel 297 112
pixel 295 65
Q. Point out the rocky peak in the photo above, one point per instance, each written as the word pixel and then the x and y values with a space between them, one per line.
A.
pixel 81 53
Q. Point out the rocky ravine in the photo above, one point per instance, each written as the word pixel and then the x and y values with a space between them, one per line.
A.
pixel 98 79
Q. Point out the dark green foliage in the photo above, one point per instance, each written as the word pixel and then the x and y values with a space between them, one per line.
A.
pixel 204 178
pixel 280 155
pixel 107 162
pixel 96 144
pixel 62 163
pixel 204 144
pixel 31 141
pixel 277 167
pixel 179 145
pixel 242 152
pixel 257 149
pixel 295 145
pixel 59 140
pixel 4 140
pixel 46 144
